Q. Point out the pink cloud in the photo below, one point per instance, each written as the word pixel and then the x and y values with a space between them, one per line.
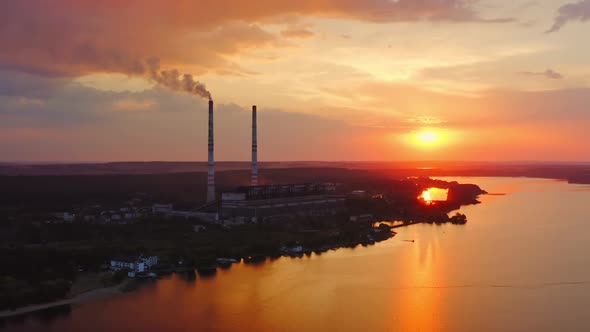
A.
pixel 71 37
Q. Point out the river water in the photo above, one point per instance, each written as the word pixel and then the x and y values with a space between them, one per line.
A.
pixel 521 263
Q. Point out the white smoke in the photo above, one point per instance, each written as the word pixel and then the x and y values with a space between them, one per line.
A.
pixel 174 80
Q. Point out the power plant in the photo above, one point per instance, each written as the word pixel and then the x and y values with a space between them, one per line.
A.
pixel 269 201
pixel 211 195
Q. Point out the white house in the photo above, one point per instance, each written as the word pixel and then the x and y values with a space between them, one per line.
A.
pixel 134 265
pixel 294 250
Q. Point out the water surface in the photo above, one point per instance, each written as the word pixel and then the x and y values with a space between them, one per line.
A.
pixel 521 263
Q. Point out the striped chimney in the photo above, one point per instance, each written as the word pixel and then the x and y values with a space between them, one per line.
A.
pixel 254 177
pixel 211 159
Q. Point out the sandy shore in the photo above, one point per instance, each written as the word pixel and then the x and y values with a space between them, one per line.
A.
pixel 91 295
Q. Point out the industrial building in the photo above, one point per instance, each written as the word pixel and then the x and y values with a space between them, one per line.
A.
pixel 257 202
pixel 282 200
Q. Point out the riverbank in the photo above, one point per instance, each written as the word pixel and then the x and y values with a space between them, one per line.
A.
pixel 81 293
pixel 57 254
pixel 87 296
pixel 84 294
pixel 358 290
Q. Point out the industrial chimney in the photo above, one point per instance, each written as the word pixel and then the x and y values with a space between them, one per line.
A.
pixel 254 177
pixel 211 160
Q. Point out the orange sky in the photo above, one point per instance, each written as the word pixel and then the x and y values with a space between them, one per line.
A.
pixel 334 80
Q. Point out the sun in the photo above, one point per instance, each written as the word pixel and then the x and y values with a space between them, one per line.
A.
pixel 428 137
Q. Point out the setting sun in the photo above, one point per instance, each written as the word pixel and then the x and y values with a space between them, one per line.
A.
pixel 428 138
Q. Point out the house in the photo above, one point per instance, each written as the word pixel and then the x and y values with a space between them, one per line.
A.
pixel 293 250
pixel 135 265
pixel 260 202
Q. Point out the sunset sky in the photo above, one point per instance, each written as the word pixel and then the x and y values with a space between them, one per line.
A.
pixel 333 79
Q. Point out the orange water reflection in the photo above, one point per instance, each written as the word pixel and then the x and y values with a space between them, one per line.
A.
pixel 432 195
pixel 447 280
pixel 418 299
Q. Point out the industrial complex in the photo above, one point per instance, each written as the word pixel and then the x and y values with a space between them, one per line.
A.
pixel 282 200
pixel 259 202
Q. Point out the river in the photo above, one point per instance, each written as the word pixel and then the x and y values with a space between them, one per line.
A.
pixel 521 263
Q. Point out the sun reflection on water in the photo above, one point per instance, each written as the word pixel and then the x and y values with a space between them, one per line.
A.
pixel 433 195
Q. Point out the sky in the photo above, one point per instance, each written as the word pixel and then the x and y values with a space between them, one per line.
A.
pixel 334 80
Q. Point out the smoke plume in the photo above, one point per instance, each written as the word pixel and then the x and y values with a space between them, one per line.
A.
pixel 174 80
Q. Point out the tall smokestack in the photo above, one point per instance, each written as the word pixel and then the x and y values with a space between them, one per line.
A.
pixel 254 177
pixel 211 160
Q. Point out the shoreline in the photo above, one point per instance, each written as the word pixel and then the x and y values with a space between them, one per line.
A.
pixel 106 292
pixel 88 296
pixel 100 293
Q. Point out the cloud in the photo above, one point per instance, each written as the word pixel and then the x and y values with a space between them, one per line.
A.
pixel 233 69
pixel 19 135
pixel 549 73
pixel 425 120
pixel 82 123
pixel 133 105
pixel 21 84
pixel 575 11
pixel 473 77
pixel 296 32
pixel 71 38
pixel 489 108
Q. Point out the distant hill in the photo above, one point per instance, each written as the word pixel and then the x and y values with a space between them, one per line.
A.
pixel 573 172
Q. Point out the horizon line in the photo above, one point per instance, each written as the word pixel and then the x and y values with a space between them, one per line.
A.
pixel 58 162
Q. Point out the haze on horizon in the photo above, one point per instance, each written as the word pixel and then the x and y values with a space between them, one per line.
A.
pixel 333 80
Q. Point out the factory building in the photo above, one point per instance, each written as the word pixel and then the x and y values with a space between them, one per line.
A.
pixel 313 199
